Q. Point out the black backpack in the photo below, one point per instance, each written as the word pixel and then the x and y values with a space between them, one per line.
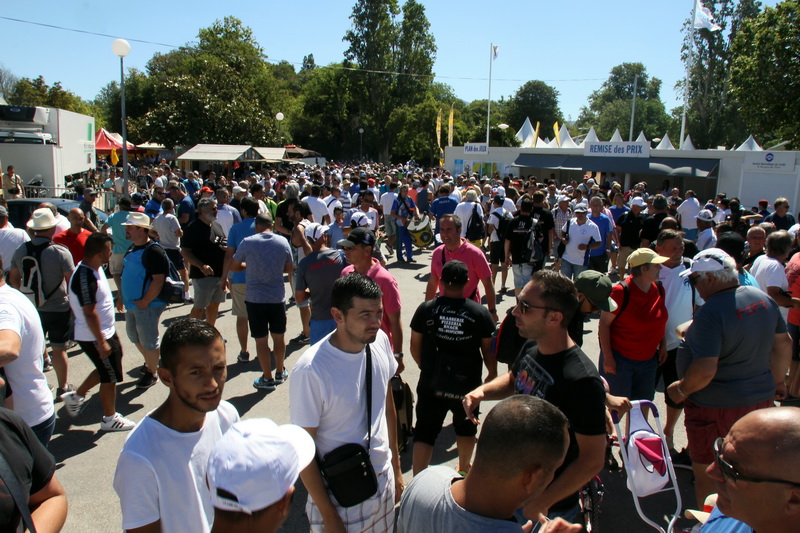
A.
pixel 32 283
pixel 476 230
pixel 502 224
pixel 173 289
pixel 533 249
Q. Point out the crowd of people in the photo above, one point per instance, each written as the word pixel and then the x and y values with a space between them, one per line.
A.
pixel 705 293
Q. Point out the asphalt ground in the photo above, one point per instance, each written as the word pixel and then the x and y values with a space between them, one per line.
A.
pixel 87 457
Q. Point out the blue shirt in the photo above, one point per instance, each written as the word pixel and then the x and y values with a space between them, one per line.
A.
pixel 617 212
pixel 239 232
pixel 336 232
pixel 121 243
pixel 443 206
pixel 185 206
pixel 265 255
pixel 719 523
pixel 604 223
pixel 153 208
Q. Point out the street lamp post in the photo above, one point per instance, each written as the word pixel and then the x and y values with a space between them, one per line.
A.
pixel 279 117
pixel 361 144
pixel 122 48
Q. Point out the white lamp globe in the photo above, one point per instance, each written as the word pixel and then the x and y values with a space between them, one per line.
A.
pixel 121 47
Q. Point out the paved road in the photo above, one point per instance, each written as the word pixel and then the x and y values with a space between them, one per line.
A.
pixel 87 458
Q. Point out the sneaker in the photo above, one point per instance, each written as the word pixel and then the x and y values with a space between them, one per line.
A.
pixel 244 357
pixel 143 370
pixel 681 459
pixel 73 403
pixel 47 366
pixel 281 377
pixel 61 391
pixel 117 422
pixel 146 381
pixel 263 383
pixel 300 339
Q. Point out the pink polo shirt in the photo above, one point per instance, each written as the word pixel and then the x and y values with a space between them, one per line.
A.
pixel 469 254
pixel 391 293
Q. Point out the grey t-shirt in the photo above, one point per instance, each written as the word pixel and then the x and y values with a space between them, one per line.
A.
pixel 166 224
pixel 428 505
pixel 265 255
pixel 738 327
pixel 55 262
pixel 317 272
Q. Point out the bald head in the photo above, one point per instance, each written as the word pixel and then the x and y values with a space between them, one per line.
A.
pixel 773 432
pixel 76 217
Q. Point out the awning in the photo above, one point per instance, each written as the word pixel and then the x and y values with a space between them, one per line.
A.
pixel 214 152
pixel 659 166
pixel 272 154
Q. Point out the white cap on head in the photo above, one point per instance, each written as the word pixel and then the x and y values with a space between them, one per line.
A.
pixel 315 231
pixel 638 201
pixel 709 260
pixel 359 219
pixel 255 463
pixel 705 215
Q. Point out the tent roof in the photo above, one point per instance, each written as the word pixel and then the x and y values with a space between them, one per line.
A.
pixel 105 141
pixel 271 153
pixel 151 146
pixel 660 166
pixel 214 152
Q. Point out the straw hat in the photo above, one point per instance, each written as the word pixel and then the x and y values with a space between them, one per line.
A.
pixel 137 219
pixel 42 219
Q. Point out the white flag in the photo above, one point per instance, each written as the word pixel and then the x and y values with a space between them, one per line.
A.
pixel 494 52
pixel 703 19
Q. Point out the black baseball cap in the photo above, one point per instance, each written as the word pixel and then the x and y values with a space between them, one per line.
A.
pixel 455 273
pixel 358 236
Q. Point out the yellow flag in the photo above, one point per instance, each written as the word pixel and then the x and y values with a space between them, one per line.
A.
pixel 536 135
pixel 450 127
pixel 439 129
pixel 555 132
pixel 114 157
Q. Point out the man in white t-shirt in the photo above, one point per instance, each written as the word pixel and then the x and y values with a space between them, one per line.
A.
pixel 706 238
pixel 161 472
pixel 21 349
pixel 334 415
pixel 770 273
pixel 386 202
pixel 169 232
pixel 318 207
pixel 688 210
pixel 93 309
pixel 584 235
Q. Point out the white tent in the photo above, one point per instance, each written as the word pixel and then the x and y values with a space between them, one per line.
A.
pixel 641 138
pixel 687 143
pixel 616 138
pixel 526 134
pixel 665 143
pixel 566 139
pixel 750 145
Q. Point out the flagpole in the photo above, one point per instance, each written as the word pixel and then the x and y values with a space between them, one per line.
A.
pixel 489 102
pixel 688 75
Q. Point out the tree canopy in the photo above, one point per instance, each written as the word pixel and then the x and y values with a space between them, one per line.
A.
pixel 535 100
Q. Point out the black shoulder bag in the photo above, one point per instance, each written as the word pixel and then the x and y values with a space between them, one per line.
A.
pixel 19 497
pixel 347 470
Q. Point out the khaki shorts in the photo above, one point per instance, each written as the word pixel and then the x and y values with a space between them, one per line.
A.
pixel 237 295
pixel 115 264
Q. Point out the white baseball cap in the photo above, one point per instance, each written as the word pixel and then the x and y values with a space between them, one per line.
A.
pixel 255 463
pixel 315 231
pixel 705 215
pixel 638 201
pixel 359 219
pixel 709 260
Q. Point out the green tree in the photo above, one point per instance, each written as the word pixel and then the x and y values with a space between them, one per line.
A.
pixel 7 82
pixel 765 73
pixel 308 62
pixel 37 92
pixel 713 117
pixel 610 106
pixel 380 47
pixel 139 99
pixel 535 100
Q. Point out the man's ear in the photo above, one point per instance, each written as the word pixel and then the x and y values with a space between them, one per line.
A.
pixel 165 376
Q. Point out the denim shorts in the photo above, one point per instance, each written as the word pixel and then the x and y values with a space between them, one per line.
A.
pixel 141 325
pixel 522 274
pixel 634 379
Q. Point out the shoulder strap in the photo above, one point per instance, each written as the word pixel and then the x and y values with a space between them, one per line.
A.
pixel 368 379
pixel 13 486
pixel 626 295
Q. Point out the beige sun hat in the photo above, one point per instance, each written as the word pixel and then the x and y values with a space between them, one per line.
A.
pixel 42 219
pixel 137 219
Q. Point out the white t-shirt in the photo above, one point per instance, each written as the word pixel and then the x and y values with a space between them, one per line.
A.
pixel 225 219
pixel 494 220
pixel 332 202
pixel 31 396
pixel 579 234
pixel 319 398
pixel 464 211
pixel 707 239
pixel 166 224
pixel 161 474
pixel 688 210
pixel 509 206
pixel 89 286
pixel 318 208
pixel 678 299
pixel 386 201
pixel 769 272
pixel 456 194
pixel 10 239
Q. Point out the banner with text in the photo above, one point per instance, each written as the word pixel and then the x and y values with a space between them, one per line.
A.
pixel 616 149
pixel 476 148
pixel 780 162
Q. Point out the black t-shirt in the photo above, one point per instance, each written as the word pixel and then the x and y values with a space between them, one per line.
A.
pixel 30 462
pixel 651 226
pixel 454 326
pixel 517 235
pixel 630 226
pixel 89 212
pixel 571 382
pixel 154 258
pixel 207 243
pixel 548 222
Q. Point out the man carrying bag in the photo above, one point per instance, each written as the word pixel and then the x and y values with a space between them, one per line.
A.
pixel 340 393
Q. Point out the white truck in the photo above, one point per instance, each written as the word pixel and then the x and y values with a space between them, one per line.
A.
pixel 47 144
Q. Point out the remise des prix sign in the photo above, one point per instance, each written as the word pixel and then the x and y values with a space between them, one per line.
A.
pixel 616 149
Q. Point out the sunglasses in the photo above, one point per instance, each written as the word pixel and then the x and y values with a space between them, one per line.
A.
pixel 525 306
pixel 729 472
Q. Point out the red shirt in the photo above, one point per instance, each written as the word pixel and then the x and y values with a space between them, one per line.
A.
pixel 74 242
pixel 637 332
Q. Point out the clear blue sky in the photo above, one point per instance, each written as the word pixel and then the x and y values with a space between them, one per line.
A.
pixel 570 45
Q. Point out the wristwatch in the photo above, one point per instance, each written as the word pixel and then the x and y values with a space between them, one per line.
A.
pixel 399 355
pixel 493 311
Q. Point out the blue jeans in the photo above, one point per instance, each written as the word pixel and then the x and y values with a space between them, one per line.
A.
pixel 319 328
pixel 634 379
pixel 404 239
pixel 44 430
pixel 570 270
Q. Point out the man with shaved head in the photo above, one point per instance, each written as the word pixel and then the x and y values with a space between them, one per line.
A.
pixel 75 237
pixel 753 487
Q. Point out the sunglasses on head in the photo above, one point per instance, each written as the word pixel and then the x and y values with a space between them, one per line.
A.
pixel 728 471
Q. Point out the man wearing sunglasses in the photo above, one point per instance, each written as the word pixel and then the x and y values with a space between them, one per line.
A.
pixel 556 369
pixel 732 361
pixel 754 488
